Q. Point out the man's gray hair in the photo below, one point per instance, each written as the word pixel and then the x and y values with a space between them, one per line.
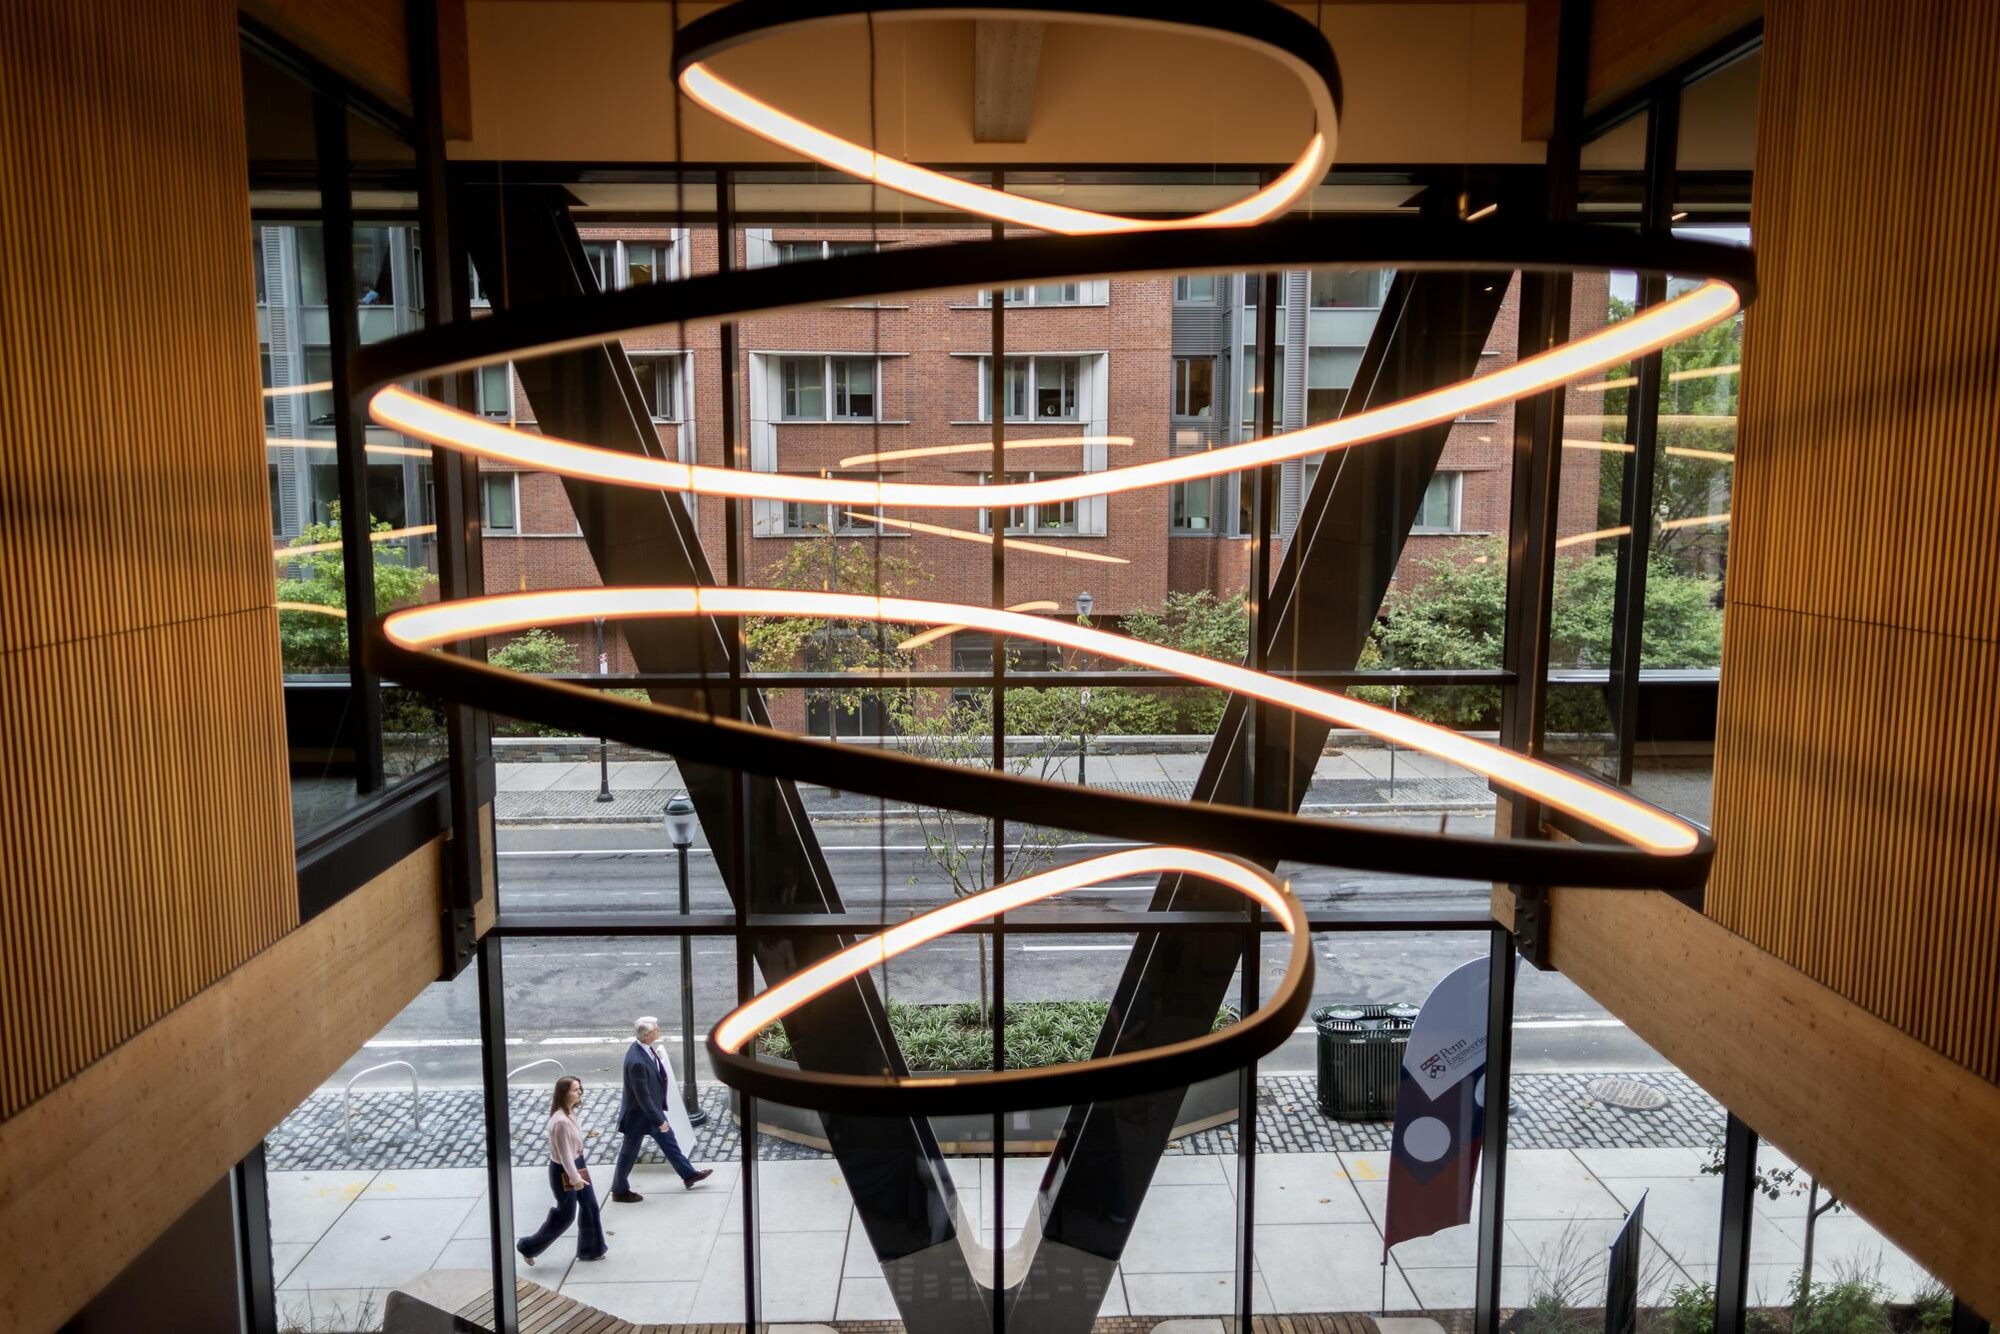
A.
pixel 644 1024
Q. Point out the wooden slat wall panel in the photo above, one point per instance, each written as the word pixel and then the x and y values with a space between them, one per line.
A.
pixel 1857 794
pixel 145 832
pixel 208 1080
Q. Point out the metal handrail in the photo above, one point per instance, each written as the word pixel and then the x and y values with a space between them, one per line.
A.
pixel 546 1060
pixel 347 1098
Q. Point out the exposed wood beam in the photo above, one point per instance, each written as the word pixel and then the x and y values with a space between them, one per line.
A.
pixel 1632 42
pixel 1006 57
pixel 1899 1133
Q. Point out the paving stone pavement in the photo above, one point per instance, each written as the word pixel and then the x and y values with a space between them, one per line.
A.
pixel 1550 1111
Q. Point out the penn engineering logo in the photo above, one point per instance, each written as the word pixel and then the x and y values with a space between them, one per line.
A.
pixel 1444 1058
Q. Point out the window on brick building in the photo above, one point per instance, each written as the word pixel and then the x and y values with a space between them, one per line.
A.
pixel 1037 388
pixel 798 252
pixel 1346 287
pixel 1030 520
pixel 828 388
pixel 804 519
pixel 496 391
pixel 647 262
pixel 500 501
pixel 1191 506
pixel 1440 510
pixel 659 384
pixel 598 256
pixel 1041 294
pixel 1194 290
pixel 1329 374
pixel 1253 385
pixel 1194 386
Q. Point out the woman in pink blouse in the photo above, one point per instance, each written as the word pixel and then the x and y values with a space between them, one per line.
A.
pixel 569 1182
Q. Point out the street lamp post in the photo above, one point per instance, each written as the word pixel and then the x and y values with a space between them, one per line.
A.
pixel 680 832
pixel 603 747
pixel 1084 602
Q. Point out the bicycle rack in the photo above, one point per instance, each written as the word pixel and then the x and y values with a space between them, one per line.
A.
pixel 347 1099
pixel 546 1060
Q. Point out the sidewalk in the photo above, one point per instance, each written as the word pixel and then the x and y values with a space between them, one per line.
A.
pixel 1365 779
pixel 343 1237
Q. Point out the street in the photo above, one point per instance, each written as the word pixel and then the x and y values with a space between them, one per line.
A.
pixel 572 1000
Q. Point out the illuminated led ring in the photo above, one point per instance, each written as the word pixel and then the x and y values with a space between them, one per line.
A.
pixel 1284 37
pixel 579 321
pixel 1663 851
pixel 1172 1065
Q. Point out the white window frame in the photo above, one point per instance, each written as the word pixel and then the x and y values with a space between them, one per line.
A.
pixel 1031 382
pixel 646 361
pixel 1179 489
pixel 512 481
pixel 795 512
pixel 1182 381
pixel 1184 289
pixel 479 389
pixel 1068 294
pixel 827 387
pixel 1455 481
pixel 602 259
pixel 1025 520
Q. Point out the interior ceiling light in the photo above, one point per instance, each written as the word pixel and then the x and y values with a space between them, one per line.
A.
pixel 1605 808
pixel 940 451
pixel 386 535
pixel 1626 382
pixel 1655 327
pixel 915 642
pixel 280 390
pixel 1675 451
pixel 1284 37
pixel 1625 529
pixel 986 539
pixel 392 451
pixel 319 608
pixel 1256 1034
pixel 1662 853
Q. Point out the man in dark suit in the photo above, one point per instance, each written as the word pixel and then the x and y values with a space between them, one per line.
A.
pixel 642 1111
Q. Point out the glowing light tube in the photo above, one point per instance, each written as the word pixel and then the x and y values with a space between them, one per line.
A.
pixel 1653 328
pixel 1604 808
pixel 917 641
pixel 939 451
pixel 986 539
pixel 387 535
pixel 714 93
pixel 737 1027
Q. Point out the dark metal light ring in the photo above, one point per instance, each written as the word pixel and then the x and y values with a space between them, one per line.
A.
pixel 1268 836
pixel 1173 1065
pixel 1287 40
pixel 1491 246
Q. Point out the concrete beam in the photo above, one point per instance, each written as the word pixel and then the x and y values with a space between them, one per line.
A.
pixel 1006 57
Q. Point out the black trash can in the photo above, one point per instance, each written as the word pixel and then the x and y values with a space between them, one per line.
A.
pixel 1360 1053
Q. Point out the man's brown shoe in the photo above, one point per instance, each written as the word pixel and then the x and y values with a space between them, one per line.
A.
pixel 627 1196
pixel 698 1178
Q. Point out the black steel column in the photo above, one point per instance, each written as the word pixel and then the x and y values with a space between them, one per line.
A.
pixel 499 1137
pixel 456 487
pixel 1493 1151
pixel 996 528
pixel 1628 616
pixel 739 795
pixel 1739 1194
pixel 1965 1320
pixel 357 554
pixel 250 1200
pixel 1537 472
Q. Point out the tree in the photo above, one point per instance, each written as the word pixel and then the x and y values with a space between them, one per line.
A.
pixel 960 845
pixel 1775 1183
pixel 314 642
pixel 1697 412
pixel 1200 624
pixel 1455 617
pixel 537 652
pixel 833 565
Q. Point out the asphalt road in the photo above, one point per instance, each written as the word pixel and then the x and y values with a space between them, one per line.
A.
pixel 573 999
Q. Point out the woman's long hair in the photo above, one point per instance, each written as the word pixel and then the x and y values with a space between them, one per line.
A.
pixel 559 1100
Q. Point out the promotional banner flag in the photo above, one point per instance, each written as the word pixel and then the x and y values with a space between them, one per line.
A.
pixel 1440 1110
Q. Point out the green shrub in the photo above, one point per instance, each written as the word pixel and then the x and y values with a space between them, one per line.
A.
pixel 951 1037
pixel 1850 1305
pixel 1690 1309
pixel 1931 1310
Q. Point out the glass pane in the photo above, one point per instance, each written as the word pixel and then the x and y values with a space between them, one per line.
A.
pixel 371 1189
